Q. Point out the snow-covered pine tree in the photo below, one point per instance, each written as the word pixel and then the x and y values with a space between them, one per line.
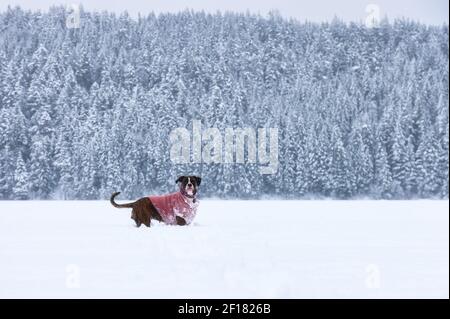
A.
pixel 21 188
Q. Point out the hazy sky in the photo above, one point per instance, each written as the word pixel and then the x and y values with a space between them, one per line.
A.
pixel 426 11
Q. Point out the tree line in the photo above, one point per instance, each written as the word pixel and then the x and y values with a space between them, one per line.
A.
pixel 361 112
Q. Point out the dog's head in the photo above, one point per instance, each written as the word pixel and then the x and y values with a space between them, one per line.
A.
pixel 189 184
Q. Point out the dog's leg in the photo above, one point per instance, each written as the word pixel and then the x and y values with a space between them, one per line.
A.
pixel 180 221
pixel 142 211
pixel 135 218
pixel 146 218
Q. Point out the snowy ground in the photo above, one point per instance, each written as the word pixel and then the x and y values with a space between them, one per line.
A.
pixel 235 249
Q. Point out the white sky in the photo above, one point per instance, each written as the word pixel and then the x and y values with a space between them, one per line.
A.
pixel 426 11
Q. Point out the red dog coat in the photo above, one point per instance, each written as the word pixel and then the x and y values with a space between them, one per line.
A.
pixel 175 204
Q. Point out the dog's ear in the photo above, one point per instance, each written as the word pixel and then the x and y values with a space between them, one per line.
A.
pixel 179 179
pixel 198 179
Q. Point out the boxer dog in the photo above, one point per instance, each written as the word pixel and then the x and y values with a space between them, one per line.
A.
pixel 177 208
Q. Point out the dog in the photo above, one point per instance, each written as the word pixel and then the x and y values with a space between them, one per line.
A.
pixel 177 208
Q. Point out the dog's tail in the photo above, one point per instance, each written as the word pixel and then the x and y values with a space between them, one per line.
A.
pixel 128 205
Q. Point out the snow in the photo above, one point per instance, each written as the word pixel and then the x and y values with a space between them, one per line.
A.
pixel 234 249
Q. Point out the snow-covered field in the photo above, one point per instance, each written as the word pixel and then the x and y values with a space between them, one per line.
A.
pixel 234 249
